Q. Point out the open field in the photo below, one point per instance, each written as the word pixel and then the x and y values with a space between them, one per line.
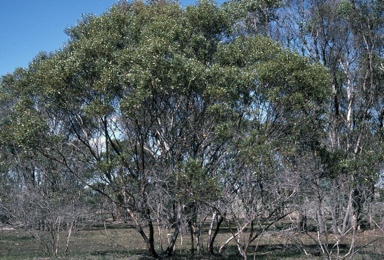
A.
pixel 123 242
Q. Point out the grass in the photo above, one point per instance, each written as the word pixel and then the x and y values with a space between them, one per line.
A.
pixel 125 243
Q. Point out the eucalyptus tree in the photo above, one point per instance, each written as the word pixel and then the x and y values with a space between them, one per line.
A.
pixel 126 107
pixel 282 113
pixel 346 37
pixel 256 17
pixel 37 192
pixel 172 115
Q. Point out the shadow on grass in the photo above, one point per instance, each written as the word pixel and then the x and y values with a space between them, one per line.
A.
pixel 280 251
pixel 126 253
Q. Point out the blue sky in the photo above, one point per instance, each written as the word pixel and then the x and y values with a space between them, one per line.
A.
pixel 31 26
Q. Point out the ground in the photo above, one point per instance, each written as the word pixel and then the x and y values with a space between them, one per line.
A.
pixel 123 242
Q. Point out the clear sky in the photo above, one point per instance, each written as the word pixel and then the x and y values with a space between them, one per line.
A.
pixel 31 26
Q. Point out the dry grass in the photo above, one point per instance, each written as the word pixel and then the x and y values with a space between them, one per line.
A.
pixel 125 243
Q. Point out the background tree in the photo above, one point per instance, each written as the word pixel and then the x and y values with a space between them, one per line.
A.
pixel 174 115
pixel 45 200
pixel 345 36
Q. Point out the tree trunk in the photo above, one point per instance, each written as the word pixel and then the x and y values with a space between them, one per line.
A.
pixel 171 246
pixel 191 231
pixel 320 221
pixel 212 239
pixel 149 242
pixel 152 238
pixel 301 222
pixel 348 214
pixel 335 220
